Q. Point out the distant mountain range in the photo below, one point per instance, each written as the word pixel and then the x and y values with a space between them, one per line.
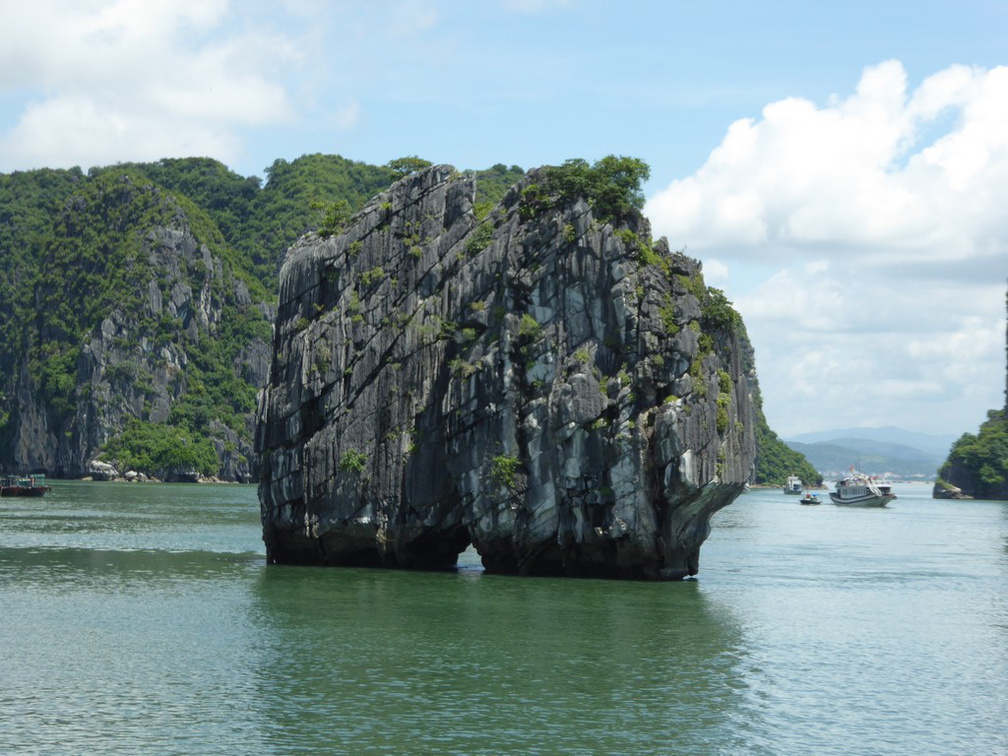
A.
pixel 900 453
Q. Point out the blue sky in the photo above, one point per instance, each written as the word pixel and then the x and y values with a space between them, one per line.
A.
pixel 839 168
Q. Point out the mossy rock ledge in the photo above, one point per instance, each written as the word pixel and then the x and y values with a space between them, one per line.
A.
pixel 536 382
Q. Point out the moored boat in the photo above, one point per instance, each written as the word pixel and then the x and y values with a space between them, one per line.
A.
pixel 24 485
pixel 793 485
pixel 860 490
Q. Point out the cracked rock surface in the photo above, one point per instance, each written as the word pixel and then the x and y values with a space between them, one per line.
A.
pixel 537 383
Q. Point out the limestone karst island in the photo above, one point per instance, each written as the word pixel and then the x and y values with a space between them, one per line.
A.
pixel 541 380
pixel 497 358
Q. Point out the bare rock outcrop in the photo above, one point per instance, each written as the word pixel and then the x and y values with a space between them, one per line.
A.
pixel 560 393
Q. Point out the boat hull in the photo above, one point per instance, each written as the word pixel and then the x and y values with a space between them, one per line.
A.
pixel 24 490
pixel 868 500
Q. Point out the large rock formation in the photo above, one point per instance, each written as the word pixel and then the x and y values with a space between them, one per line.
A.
pixel 540 384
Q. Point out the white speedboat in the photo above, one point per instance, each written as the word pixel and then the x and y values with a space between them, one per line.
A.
pixel 860 490
pixel 793 485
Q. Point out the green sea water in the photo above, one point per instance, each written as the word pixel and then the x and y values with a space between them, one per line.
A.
pixel 143 619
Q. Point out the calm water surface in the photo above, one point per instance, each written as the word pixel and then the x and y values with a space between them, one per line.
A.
pixel 143 619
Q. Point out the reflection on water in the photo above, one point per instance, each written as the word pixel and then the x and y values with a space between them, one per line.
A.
pixel 378 661
pixel 143 619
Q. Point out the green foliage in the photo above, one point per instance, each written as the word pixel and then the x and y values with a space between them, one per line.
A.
pixel 504 471
pixel 463 368
pixel 354 308
pixel 648 255
pixel 353 461
pixel 705 344
pixel 696 373
pixel 224 195
pixel 717 311
pixel 480 238
pixel 493 183
pixel 668 318
pixel 983 458
pixel 335 216
pixel 284 209
pixel 694 285
pixel 724 382
pixel 612 185
pixel 157 449
pixel 373 276
pixel 723 402
pixel 404 166
pixel 533 197
pixel 529 328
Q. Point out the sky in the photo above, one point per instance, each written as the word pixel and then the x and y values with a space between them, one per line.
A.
pixel 841 169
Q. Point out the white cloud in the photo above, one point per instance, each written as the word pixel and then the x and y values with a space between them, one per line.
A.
pixel 852 176
pixel 136 79
pixel 882 217
pixel 78 131
pixel 715 272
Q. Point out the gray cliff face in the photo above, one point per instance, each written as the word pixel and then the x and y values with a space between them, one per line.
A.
pixel 524 383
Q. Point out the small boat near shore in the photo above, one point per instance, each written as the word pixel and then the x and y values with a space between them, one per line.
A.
pixel 24 485
pixel 794 485
pixel 810 499
pixel 860 490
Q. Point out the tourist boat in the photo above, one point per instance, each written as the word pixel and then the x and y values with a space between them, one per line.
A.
pixel 24 485
pixel 793 485
pixel 810 498
pixel 860 490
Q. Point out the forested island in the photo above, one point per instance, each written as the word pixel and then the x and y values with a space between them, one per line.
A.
pixel 136 305
pixel 977 465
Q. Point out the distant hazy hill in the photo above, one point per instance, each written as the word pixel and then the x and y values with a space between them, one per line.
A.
pixel 936 445
pixel 874 450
